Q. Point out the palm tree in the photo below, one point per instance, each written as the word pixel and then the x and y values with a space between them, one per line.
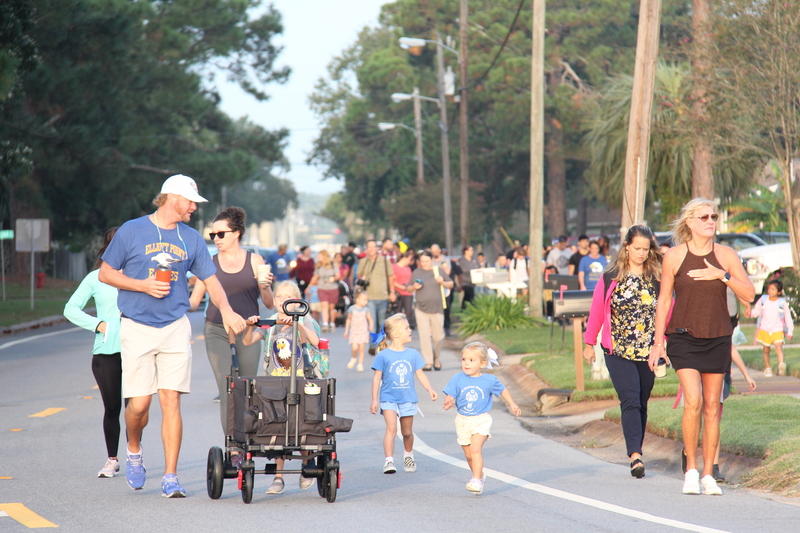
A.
pixel 764 210
pixel 669 173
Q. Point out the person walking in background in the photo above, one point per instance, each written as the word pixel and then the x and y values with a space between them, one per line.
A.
pixel 471 392
pixel 358 326
pixel 518 269
pixel 402 281
pixel 237 273
pixel 303 270
pixel 699 329
pixel 622 318
pixel 279 263
pixel 466 263
pixel 559 255
pixel 106 358
pixel 350 259
pixel 442 262
pixel 155 334
pixel 429 285
pixel 774 317
pixel 388 250
pixel 326 279
pixel 375 275
pixel 591 267
pixel 393 392
pixel 575 258
pixel 342 267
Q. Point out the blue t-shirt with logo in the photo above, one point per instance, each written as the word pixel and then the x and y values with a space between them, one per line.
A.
pixel 473 395
pixel 397 381
pixel 136 249
pixel 592 268
pixel 280 266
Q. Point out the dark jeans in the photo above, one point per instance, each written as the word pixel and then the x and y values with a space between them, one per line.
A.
pixel 107 370
pixel 633 381
pixel 449 301
pixel 469 295
pixel 407 308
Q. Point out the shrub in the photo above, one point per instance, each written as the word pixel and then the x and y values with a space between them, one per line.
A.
pixel 492 313
pixel 791 290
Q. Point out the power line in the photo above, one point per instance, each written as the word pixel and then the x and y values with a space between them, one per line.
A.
pixel 502 46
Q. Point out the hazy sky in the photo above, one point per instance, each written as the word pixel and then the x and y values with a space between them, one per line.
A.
pixel 314 31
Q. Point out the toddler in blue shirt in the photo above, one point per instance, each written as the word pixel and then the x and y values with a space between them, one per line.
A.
pixel 471 392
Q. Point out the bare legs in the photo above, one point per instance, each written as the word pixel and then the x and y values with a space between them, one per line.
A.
pixel 474 454
pixel 701 393
pixel 406 423
pixel 137 414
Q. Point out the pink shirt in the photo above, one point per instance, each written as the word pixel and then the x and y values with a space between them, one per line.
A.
pixel 402 276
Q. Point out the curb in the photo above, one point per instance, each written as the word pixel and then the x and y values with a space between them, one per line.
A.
pixel 34 324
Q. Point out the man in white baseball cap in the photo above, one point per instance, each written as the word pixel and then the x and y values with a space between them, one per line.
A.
pixel 155 334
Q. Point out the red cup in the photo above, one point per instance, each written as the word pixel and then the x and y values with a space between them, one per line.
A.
pixel 163 275
pixel 323 343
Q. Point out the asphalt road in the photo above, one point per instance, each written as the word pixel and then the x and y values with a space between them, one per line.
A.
pixel 48 466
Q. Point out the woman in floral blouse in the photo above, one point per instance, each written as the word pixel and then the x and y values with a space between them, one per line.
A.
pixel 624 306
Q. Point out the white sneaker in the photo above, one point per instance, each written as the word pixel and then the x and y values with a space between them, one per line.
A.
pixel 768 372
pixel 691 482
pixel 389 468
pixel 475 485
pixel 306 482
pixel 782 369
pixel 351 363
pixel 710 486
pixel 111 467
pixel 360 368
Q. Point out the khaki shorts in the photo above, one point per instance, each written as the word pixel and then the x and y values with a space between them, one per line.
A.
pixel 155 358
pixel 467 426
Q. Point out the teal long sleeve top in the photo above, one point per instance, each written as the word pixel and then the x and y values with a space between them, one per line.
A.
pixel 105 299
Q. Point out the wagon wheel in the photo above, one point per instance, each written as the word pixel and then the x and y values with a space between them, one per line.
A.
pixel 215 473
pixel 247 485
pixel 332 483
pixel 321 460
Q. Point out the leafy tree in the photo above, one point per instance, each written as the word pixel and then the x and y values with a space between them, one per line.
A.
pixel 763 211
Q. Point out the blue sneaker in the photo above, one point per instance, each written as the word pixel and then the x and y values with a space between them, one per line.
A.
pixel 134 470
pixel 171 487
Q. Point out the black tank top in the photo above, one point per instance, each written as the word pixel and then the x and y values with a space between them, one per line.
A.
pixel 701 307
pixel 242 291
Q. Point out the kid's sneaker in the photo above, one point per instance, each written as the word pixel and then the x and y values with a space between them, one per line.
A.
pixel 475 485
pixel 768 372
pixel 408 464
pixel 389 468
pixel 782 369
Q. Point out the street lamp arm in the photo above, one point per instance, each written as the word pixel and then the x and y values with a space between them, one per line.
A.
pixel 414 42
pixel 384 126
pixel 400 97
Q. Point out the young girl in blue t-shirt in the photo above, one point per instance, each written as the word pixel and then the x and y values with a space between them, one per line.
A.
pixel 395 367
pixel 471 392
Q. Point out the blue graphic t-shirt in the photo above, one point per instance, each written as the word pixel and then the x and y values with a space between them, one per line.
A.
pixel 136 250
pixel 473 395
pixel 397 381
pixel 280 266
pixel 592 269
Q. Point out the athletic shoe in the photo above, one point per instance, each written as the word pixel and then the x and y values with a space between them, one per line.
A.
pixel 710 486
pixel 475 485
pixel 110 468
pixel 768 372
pixel 171 487
pixel 216 399
pixel 782 369
pixel 306 482
pixel 276 487
pixel 388 467
pixel 408 464
pixel 360 368
pixel 135 472
pixel 691 482
pixel 351 363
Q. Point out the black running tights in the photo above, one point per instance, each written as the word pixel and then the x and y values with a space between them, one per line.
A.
pixel 107 370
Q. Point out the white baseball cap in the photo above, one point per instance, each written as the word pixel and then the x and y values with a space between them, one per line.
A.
pixel 183 186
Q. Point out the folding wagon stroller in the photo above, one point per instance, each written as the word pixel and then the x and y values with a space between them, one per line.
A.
pixel 290 417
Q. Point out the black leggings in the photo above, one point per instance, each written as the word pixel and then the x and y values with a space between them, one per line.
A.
pixel 107 370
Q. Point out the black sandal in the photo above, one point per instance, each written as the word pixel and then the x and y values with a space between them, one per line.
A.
pixel 427 368
pixel 637 468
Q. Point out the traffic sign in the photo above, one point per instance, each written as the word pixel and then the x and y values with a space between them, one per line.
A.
pixel 6 234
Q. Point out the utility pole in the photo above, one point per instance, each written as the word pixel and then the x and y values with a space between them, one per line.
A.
pixel 463 137
pixel 537 160
pixel 448 210
pixel 636 157
pixel 418 135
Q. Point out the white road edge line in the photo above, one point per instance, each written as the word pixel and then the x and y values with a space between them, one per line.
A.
pixel 37 337
pixel 420 446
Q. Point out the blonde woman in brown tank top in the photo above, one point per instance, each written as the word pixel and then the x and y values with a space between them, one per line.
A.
pixel 699 332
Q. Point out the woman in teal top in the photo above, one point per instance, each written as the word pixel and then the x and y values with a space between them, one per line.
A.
pixel 106 360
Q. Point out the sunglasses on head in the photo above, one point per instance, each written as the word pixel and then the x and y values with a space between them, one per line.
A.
pixel 221 234
pixel 705 218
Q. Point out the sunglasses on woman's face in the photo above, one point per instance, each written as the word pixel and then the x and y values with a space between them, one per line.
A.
pixel 221 234
pixel 705 218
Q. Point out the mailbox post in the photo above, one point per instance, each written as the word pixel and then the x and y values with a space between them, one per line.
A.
pixel 574 305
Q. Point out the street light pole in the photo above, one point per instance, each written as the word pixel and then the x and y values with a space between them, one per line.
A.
pixel 535 285
pixel 462 134
pixel 448 210
pixel 418 135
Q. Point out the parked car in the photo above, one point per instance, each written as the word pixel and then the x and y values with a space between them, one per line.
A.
pixel 737 241
pixel 773 237
pixel 763 262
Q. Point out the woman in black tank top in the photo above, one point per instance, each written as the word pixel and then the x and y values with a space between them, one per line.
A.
pixel 699 331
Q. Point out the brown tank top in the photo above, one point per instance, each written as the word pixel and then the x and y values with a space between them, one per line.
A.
pixel 242 291
pixel 701 307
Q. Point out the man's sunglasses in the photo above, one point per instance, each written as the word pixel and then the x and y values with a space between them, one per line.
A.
pixel 704 218
pixel 221 234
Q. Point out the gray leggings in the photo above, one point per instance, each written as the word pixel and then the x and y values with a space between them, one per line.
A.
pixel 219 355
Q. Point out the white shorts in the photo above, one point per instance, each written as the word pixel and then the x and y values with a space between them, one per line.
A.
pixel 467 426
pixel 155 358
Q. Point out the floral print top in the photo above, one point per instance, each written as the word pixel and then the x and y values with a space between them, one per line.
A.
pixel 633 317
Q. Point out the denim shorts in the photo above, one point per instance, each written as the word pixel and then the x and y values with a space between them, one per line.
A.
pixel 402 409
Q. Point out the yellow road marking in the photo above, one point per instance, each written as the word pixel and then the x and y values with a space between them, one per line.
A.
pixel 16 429
pixel 96 387
pixel 6 477
pixel 25 516
pixel 47 412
